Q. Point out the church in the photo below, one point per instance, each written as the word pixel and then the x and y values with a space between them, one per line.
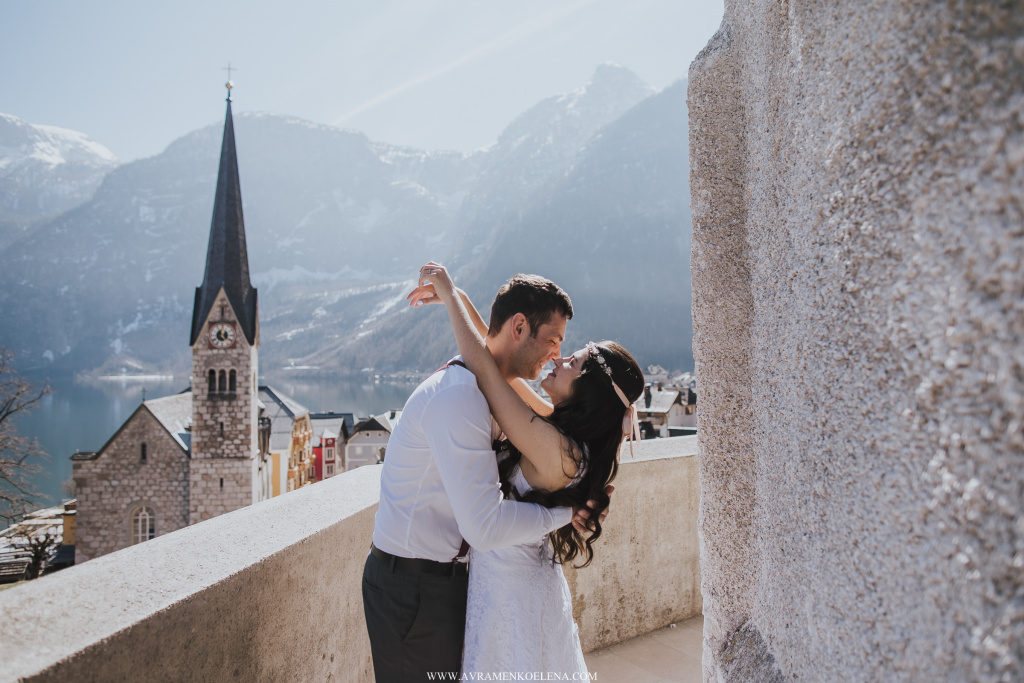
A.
pixel 208 450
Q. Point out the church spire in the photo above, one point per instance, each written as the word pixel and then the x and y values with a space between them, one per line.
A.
pixel 227 262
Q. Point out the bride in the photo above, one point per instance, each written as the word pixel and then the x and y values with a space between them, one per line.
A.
pixel 519 610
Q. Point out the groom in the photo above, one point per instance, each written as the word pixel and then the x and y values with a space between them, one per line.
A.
pixel 439 493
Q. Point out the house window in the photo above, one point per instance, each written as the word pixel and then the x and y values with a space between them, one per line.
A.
pixel 143 524
pixel 222 382
pixel 329 456
pixel 231 382
pixel 211 382
pixel 330 470
pixel 142 453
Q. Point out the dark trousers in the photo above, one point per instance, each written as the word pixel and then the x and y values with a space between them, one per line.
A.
pixel 416 622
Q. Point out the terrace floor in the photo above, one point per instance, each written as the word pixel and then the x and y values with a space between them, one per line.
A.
pixel 671 654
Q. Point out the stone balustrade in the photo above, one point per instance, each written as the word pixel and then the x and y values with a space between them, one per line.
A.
pixel 272 591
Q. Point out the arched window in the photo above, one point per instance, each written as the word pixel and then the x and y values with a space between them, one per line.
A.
pixel 143 524
pixel 222 382
pixel 142 453
pixel 211 384
pixel 231 382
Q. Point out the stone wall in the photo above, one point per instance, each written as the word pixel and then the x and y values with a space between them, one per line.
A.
pixel 225 441
pixel 857 172
pixel 219 485
pixel 117 481
pixel 222 600
pixel 646 569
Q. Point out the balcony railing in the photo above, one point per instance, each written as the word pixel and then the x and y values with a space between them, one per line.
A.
pixel 223 600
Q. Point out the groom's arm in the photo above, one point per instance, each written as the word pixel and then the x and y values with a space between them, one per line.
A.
pixel 457 427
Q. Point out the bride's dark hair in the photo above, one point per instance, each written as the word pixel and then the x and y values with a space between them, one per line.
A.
pixel 591 418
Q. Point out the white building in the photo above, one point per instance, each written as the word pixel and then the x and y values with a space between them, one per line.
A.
pixel 368 443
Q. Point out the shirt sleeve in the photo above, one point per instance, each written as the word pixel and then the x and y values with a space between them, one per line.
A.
pixel 457 427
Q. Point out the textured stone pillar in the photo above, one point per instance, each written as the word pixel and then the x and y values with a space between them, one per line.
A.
pixel 857 175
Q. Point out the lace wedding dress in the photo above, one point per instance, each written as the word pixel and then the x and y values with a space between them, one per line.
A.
pixel 519 611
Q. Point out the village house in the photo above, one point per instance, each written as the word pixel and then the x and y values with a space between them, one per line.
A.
pixel 369 440
pixel 290 448
pixel 52 530
pixel 330 434
pixel 661 408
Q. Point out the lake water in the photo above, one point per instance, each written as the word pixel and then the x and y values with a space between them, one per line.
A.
pixel 84 416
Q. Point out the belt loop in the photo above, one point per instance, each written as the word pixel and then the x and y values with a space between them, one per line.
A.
pixel 393 560
pixel 455 564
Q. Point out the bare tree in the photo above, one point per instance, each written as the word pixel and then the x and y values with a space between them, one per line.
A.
pixel 19 455
pixel 38 544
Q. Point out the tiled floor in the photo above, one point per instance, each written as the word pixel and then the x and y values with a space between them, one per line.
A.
pixel 671 654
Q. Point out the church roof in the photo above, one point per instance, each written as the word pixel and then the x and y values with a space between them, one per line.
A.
pixel 227 261
pixel 175 414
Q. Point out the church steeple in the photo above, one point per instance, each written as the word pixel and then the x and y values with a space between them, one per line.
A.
pixel 224 467
pixel 227 262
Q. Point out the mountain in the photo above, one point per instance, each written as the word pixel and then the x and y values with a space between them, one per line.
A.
pixel 613 230
pixel 322 205
pixel 45 171
pixel 615 233
pixel 337 226
pixel 539 146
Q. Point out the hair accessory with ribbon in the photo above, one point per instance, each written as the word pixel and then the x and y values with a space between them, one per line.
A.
pixel 630 423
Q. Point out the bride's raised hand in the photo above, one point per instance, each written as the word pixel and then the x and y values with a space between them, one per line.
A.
pixel 423 295
pixel 435 286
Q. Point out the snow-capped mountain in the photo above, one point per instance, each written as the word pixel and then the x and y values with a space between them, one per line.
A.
pixel 45 171
pixel 613 229
pixel 539 146
pixel 337 226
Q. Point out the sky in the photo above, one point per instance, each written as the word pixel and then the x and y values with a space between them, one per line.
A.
pixel 434 74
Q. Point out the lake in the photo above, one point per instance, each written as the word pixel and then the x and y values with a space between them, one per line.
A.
pixel 84 416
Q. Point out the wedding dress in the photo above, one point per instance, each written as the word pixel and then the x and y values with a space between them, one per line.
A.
pixel 519 611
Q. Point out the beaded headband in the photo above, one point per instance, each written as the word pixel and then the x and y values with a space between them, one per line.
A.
pixel 630 424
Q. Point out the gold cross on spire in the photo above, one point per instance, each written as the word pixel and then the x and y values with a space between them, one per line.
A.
pixel 229 85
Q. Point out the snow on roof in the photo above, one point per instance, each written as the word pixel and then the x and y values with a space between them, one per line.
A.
pixel 659 401
pixel 281 409
pixel 282 399
pixel 175 414
pixel 335 423
pixel 384 422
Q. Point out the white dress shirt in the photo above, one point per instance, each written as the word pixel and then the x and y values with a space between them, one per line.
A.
pixel 440 484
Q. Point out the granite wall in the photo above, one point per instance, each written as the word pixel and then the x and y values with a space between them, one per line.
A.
pixel 857 179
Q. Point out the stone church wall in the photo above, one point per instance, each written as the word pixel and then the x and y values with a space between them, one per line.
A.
pixel 857 174
pixel 224 426
pixel 111 486
pixel 236 412
pixel 219 485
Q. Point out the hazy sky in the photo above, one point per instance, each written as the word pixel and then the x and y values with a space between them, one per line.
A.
pixel 430 73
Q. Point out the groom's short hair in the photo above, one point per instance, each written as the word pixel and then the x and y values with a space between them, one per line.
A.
pixel 536 297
